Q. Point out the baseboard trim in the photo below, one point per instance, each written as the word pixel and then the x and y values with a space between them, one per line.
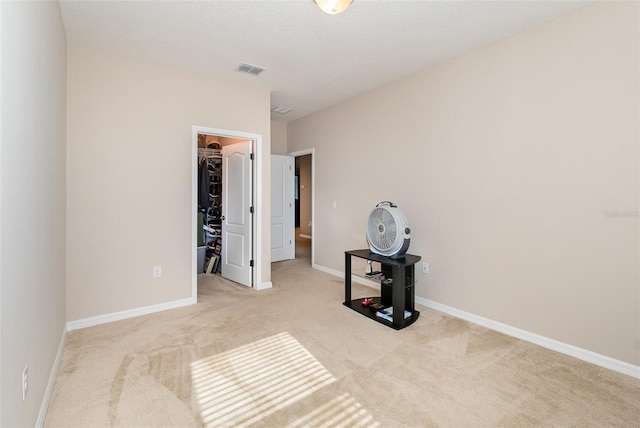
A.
pixel 328 270
pixel 264 285
pixel 46 399
pixel 354 278
pixel 552 344
pixel 131 313
pixel 304 236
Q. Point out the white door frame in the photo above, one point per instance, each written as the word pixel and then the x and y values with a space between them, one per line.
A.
pixel 311 152
pixel 257 203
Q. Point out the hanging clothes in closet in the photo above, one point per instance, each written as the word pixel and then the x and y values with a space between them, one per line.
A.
pixel 204 201
pixel 210 206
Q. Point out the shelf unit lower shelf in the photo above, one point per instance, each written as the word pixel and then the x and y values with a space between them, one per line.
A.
pixel 399 294
pixel 369 312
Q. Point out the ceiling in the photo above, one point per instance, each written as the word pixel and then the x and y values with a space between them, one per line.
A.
pixel 312 60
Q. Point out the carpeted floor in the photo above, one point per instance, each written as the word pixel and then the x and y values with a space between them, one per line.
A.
pixel 295 356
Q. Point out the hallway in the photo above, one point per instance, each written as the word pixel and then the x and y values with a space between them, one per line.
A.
pixel 303 247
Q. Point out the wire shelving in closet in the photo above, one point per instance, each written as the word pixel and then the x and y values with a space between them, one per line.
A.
pixel 212 213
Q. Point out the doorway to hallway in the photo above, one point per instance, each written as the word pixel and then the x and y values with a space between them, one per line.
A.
pixel 304 202
pixel 303 247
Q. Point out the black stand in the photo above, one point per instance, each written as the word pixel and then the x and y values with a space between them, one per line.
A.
pixel 400 294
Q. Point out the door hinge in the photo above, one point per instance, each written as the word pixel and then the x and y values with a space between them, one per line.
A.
pixel 251 210
pixel 250 263
pixel 251 156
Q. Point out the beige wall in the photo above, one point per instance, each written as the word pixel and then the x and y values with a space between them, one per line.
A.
pixel 278 138
pixel 32 200
pixel 129 176
pixel 517 167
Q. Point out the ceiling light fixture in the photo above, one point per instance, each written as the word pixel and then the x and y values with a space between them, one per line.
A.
pixel 333 7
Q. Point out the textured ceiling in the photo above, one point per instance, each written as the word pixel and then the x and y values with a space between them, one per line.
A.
pixel 312 60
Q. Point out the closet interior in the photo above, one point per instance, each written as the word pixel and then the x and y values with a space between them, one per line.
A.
pixel 210 207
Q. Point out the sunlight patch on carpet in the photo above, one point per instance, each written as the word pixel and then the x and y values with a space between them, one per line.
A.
pixel 246 384
pixel 342 411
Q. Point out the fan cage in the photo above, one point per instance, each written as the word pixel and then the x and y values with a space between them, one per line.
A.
pixel 387 231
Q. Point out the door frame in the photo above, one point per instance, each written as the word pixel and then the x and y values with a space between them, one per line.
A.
pixel 312 152
pixel 256 245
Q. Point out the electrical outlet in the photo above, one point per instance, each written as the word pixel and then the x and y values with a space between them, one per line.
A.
pixel 25 382
pixel 157 271
pixel 425 267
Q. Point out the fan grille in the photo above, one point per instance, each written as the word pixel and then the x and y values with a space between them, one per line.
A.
pixel 382 229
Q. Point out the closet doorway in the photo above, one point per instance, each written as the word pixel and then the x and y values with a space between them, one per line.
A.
pixel 225 201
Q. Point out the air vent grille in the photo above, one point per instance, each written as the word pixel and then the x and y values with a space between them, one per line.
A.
pixel 249 69
pixel 281 110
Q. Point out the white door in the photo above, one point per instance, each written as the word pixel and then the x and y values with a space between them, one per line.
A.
pixel 236 213
pixel 282 208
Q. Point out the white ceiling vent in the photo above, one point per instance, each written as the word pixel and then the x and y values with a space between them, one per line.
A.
pixel 250 69
pixel 281 110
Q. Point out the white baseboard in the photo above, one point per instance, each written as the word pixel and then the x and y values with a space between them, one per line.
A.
pixel 354 278
pixel 264 285
pixel 328 270
pixel 46 399
pixel 545 342
pixel 131 313
pixel 305 236
pixel 554 345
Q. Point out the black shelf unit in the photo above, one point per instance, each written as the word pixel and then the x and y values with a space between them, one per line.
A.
pixel 400 294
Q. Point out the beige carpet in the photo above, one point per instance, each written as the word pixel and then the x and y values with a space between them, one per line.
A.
pixel 295 356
